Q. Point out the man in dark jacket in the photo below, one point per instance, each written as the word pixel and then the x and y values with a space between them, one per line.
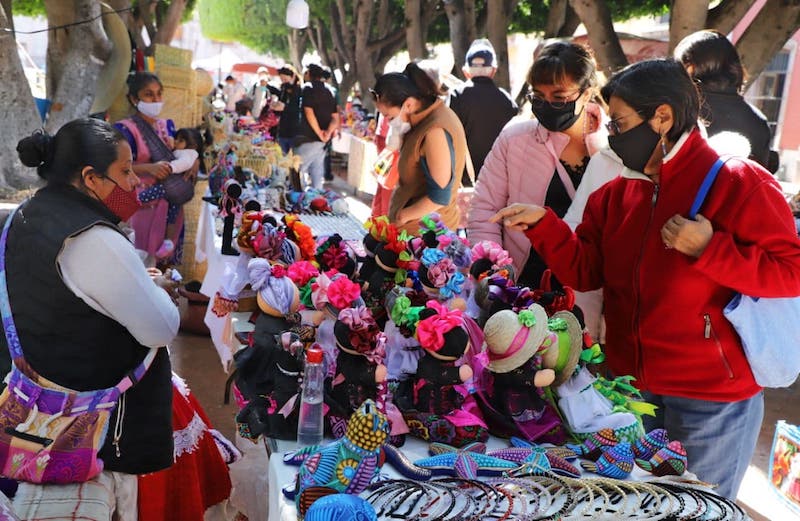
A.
pixel 483 107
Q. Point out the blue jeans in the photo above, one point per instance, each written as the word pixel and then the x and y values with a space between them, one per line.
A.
pixel 313 156
pixel 719 437
pixel 285 143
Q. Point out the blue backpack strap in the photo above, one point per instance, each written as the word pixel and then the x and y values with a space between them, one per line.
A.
pixel 12 338
pixel 706 186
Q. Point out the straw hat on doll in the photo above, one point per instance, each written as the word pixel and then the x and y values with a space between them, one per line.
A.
pixel 512 339
pixel 563 357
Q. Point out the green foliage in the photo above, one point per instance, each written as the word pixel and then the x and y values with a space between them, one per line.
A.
pixel 27 7
pixel 258 24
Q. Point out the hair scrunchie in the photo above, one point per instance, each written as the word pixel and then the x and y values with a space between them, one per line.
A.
pixel 431 330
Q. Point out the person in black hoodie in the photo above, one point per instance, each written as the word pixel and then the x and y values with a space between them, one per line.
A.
pixel 714 65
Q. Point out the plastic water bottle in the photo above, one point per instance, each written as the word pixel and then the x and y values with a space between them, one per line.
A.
pixel 309 424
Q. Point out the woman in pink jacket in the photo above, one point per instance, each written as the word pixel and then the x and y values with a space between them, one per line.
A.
pixel 543 161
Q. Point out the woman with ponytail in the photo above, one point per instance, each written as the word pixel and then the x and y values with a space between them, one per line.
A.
pixel 434 148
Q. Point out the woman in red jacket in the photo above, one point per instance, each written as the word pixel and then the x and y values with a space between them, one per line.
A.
pixel 666 278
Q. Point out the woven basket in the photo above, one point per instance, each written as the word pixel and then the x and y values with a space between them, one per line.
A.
pixel 191 269
pixel 174 56
pixel 176 77
pixel 258 164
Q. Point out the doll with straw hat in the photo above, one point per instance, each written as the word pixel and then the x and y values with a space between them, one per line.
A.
pixel 516 343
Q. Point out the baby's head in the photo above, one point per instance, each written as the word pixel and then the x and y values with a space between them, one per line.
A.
pixel 189 138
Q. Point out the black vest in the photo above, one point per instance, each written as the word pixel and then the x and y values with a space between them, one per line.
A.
pixel 71 344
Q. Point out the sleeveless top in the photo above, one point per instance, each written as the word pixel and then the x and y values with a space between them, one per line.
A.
pixel 414 182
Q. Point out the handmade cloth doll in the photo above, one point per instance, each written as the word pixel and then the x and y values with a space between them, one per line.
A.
pixel 378 231
pixel 270 243
pixel 331 293
pixel 359 373
pixel 269 370
pixel 383 278
pixel 435 401
pixel 229 208
pixel 516 343
pixel 334 254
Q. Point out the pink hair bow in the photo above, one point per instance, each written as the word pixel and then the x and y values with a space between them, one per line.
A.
pixel 431 330
pixel 492 251
pixel 319 291
pixel 342 292
pixel 301 272
pixel 335 257
pixel 356 318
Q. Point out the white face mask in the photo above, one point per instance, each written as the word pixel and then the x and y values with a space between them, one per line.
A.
pixel 150 109
pixel 397 128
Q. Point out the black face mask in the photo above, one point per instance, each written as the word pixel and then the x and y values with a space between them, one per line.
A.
pixel 635 146
pixel 556 119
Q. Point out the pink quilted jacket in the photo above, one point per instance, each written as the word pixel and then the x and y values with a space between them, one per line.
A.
pixel 518 169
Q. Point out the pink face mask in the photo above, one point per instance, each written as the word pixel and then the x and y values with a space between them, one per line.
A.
pixel 122 203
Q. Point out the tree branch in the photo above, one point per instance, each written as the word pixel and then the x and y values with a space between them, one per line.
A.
pixel 398 36
pixel 725 15
pixel 687 17
pixel 168 26
pixel 779 19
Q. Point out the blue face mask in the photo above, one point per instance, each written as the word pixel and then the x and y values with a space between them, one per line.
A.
pixel 635 146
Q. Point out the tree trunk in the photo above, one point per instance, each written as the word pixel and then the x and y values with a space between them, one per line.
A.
pixel 6 6
pixel 89 48
pixel 686 17
pixel 298 43
pixel 727 14
pixel 765 36
pixel 461 20
pixel 59 12
pixel 556 17
pixel 497 19
pixel 415 37
pixel 604 41
pixel 20 117
pixel 364 58
pixel 571 23
pixel 169 25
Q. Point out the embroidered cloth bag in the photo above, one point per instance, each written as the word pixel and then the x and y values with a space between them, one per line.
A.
pixel 768 327
pixel 48 433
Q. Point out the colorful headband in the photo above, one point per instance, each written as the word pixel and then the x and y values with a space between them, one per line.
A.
pixel 275 288
pixel 332 253
pixel 456 248
pixel 403 313
pixel 432 223
pixel 270 243
pixel 363 329
pixel 431 330
pixel 492 251
pixel 319 291
pixel 431 256
pixel 302 272
pixel 302 235
pixel 380 228
pixel 343 292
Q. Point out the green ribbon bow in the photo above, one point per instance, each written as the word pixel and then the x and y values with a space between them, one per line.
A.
pixel 400 308
pixel 527 318
pixel 305 295
pixel 593 355
pixel 557 324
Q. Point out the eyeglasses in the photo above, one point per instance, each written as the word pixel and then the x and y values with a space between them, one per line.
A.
pixel 560 103
pixel 613 127
pixel 375 96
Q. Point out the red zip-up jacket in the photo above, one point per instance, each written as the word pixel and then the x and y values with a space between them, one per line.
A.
pixel 663 309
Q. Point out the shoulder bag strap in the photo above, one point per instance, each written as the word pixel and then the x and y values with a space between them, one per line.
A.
pixel 10 329
pixel 706 186
pixel 562 172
